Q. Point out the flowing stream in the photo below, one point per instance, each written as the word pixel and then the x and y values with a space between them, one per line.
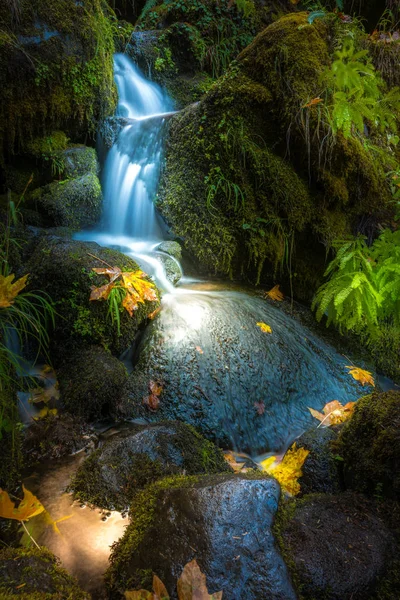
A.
pixel 246 389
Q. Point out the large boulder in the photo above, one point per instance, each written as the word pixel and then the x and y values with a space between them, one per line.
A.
pixel 338 547
pixel 247 184
pixel 139 455
pixel 74 203
pixel 30 574
pixel 320 471
pixel 239 386
pixel 223 521
pixel 79 160
pixel 63 268
pixel 370 445
pixel 91 382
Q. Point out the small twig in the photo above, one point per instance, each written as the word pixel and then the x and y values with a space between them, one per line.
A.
pixel 34 541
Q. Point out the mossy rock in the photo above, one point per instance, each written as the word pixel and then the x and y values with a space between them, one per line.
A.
pixel 139 455
pixel 56 70
pixel 242 187
pixel 91 382
pixel 370 445
pixel 320 471
pixel 224 521
pixel 80 160
pixel 74 203
pixel 32 574
pixel 172 248
pixel 63 268
pixel 171 267
pixel 338 547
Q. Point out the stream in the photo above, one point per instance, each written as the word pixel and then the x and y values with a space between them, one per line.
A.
pixel 247 390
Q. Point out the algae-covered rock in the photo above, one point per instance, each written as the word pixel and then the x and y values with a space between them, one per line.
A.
pixel 91 382
pixel 247 184
pixel 172 248
pixel 72 203
pixel 139 455
pixel 338 547
pixel 224 521
pixel 31 574
pixel 320 472
pixel 370 445
pixel 64 269
pixel 56 70
pixel 80 160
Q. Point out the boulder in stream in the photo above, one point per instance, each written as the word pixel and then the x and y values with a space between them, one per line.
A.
pixel 138 455
pixel 320 471
pixel 224 521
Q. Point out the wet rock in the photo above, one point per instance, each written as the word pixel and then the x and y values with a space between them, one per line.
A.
pixel 31 574
pixel 80 160
pixel 64 269
pixel 91 382
pixel 172 268
pixel 110 129
pixel 370 445
pixel 320 469
pixel 216 366
pixel 338 546
pixel 73 203
pixel 138 455
pixel 172 248
pixel 223 521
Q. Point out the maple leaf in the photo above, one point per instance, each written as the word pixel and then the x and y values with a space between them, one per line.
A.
pixel 288 471
pixel 275 294
pixel 131 302
pixel 364 377
pixel 192 584
pixel 334 413
pixel 102 292
pixel 9 290
pixel 231 460
pixel 29 506
pixel 159 589
pixel 264 327
pixel 260 407
pixel 313 102
pixel 138 595
pixel 111 272
pixel 155 388
pixel 134 282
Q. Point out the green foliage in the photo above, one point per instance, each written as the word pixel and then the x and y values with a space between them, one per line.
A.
pixel 217 183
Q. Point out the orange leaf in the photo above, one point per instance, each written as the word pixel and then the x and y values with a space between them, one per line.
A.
pixel 275 294
pixel 313 102
pixel 334 413
pixel 199 350
pixel 101 293
pixel 138 595
pixel 131 302
pixel 192 584
pixel 29 506
pixel 152 402
pixel 113 273
pixel 364 377
pixel 153 314
pixel 159 589
pixel 9 290
pixel 155 388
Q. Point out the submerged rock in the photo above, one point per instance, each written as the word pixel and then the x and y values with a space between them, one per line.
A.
pixel 91 382
pixel 31 574
pixel 223 521
pixel 172 248
pixel 72 203
pixel 320 469
pixel 338 546
pixel 171 266
pixel 370 445
pixel 139 455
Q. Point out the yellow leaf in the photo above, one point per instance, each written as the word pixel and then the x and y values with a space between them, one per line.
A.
pixel 264 327
pixel 138 595
pixel 131 302
pixel 159 589
pixel 29 506
pixel 275 294
pixel 134 281
pixel 9 290
pixel 364 377
pixel 334 413
pixel 192 584
pixel 288 471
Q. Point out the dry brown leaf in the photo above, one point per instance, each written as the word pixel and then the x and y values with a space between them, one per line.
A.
pixel 101 293
pixel 275 294
pixel 192 584
pixel 9 290
pixel 112 273
pixel 155 387
pixel 159 589
pixel 334 413
pixel 152 402
pixel 260 407
pixel 364 377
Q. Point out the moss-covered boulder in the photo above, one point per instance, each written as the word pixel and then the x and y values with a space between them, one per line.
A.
pixel 74 203
pixel 248 184
pixel 370 445
pixel 320 471
pixel 64 269
pixel 32 574
pixel 91 382
pixel 172 248
pixel 338 547
pixel 171 267
pixel 139 455
pixel 224 521
pixel 79 160
pixel 56 70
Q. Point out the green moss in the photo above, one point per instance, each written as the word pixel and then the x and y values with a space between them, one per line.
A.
pixel 370 445
pixel 54 143
pixel 32 574
pixel 10 435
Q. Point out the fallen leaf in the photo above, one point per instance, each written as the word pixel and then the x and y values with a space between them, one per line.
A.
pixel 288 471
pixel 153 314
pixel 199 350
pixel 275 294
pixel 134 281
pixel 9 290
pixel 131 302
pixel 29 506
pixel 102 292
pixel 231 460
pixel 364 377
pixel 138 595
pixel 192 584
pixel 260 407
pixel 264 327
pixel 112 272
pixel 334 413
pixel 313 102
pixel 155 388
pixel 152 402
pixel 159 589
